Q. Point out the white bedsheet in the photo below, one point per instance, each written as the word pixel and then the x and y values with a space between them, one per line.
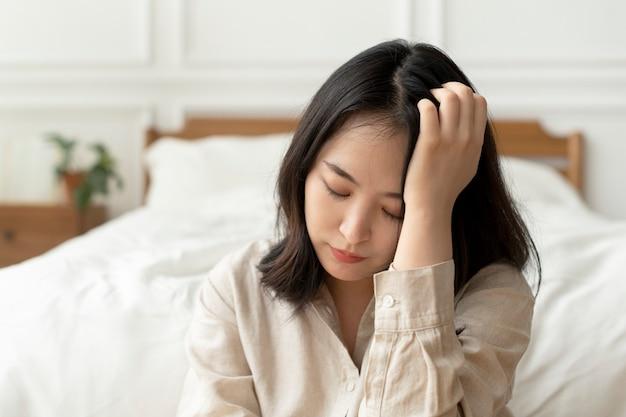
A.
pixel 95 327
pixel 575 365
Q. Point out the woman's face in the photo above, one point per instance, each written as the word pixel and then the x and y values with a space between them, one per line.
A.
pixel 360 222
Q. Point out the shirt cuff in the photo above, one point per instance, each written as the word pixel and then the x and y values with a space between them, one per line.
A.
pixel 416 298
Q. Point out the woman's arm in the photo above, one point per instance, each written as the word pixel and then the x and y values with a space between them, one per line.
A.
pixel 418 365
pixel 219 382
pixel 426 359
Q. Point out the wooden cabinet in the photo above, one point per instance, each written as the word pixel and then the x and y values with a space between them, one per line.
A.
pixel 28 230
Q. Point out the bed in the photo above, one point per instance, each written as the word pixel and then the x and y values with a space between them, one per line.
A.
pixel 95 326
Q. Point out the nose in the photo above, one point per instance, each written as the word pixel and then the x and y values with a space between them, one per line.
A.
pixel 355 226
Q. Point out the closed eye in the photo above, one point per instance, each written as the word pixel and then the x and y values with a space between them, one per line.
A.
pixel 338 196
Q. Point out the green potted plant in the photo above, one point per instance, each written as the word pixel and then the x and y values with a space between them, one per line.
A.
pixel 81 185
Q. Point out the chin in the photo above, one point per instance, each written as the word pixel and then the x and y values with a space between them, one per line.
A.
pixel 344 272
pixel 346 277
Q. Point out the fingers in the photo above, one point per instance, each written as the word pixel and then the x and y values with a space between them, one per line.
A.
pixel 429 119
pixel 462 113
pixel 448 111
pixel 466 114
pixel 480 116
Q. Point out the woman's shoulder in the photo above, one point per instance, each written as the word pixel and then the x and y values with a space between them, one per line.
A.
pixel 497 275
pixel 235 274
pixel 244 254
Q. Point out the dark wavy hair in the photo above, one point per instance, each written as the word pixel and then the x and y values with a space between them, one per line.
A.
pixel 388 80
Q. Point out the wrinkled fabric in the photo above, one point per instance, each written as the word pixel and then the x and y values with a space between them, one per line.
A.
pixel 420 350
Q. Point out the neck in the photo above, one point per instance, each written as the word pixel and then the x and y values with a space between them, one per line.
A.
pixel 355 291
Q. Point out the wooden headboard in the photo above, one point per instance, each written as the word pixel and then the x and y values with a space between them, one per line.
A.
pixel 518 138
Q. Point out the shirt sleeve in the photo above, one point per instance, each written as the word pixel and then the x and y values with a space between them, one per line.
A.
pixel 429 357
pixel 219 381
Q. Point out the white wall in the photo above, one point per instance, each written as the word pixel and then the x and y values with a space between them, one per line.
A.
pixel 106 70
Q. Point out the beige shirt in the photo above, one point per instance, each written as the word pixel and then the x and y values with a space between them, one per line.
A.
pixel 423 351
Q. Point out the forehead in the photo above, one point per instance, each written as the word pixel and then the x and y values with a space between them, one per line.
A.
pixel 366 139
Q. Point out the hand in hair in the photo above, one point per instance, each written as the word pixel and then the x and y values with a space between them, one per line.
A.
pixel 448 148
pixel 444 161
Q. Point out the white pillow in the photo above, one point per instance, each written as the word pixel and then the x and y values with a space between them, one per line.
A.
pixel 530 181
pixel 218 172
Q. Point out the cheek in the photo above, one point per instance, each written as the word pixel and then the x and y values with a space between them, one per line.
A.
pixel 389 240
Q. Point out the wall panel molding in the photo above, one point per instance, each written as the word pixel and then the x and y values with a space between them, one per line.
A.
pixel 588 58
pixel 400 22
pixel 138 54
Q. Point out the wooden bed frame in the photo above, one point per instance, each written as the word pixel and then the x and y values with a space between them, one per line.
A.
pixel 517 138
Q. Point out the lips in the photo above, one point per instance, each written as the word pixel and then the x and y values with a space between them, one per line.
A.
pixel 350 254
pixel 345 256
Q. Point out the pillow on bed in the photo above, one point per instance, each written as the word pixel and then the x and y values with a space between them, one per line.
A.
pixel 531 181
pixel 212 173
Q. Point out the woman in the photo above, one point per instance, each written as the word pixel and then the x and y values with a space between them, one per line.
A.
pixel 428 315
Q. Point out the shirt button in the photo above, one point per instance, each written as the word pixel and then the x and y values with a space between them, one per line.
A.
pixel 350 387
pixel 388 301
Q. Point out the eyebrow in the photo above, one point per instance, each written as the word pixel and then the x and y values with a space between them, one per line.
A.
pixel 339 171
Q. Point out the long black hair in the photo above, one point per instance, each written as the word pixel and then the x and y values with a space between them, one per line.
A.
pixel 388 80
